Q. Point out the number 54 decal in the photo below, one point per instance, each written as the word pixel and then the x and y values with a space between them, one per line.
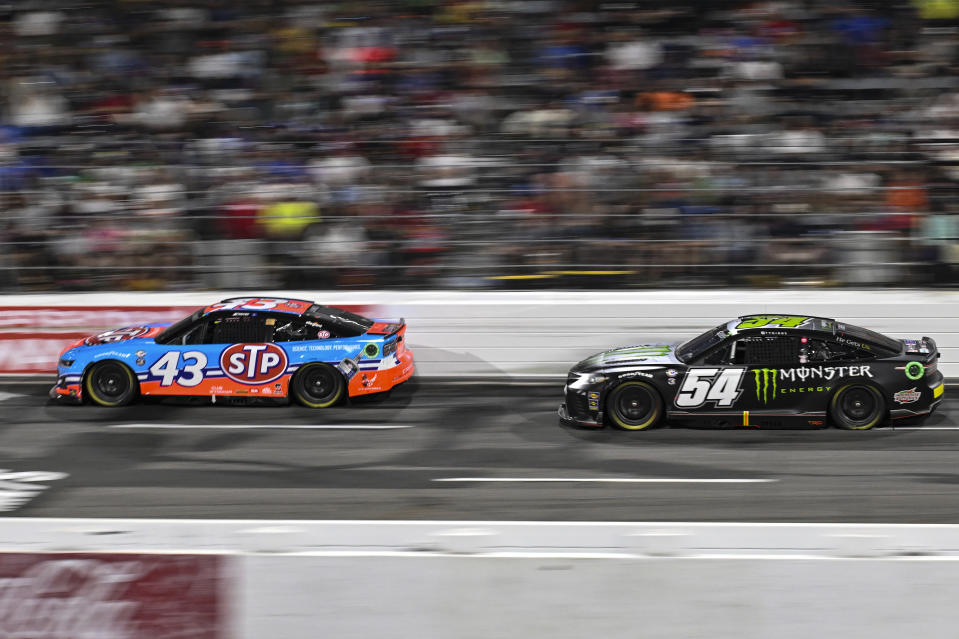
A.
pixel 167 368
pixel 723 386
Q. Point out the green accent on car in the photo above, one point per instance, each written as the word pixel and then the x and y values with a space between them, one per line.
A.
pixel 763 386
pixel 782 321
pixel 371 350
pixel 915 370
pixel 642 351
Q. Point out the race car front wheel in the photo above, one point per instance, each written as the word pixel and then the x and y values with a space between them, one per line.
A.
pixel 857 407
pixel 634 406
pixel 318 386
pixel 111 384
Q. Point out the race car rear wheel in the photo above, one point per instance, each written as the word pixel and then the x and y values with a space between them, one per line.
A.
pixel 318 386
pixel 634 406
pixel 111 384
pixel 857 407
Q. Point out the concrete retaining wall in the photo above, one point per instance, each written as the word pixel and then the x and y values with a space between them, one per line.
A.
pixel 572 598
pixel 542 333
pixel 555 580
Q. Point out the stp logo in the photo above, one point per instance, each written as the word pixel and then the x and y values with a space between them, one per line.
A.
pixel 117 335
pixel 253 363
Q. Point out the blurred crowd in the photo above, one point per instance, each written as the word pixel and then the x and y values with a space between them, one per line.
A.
pixel 149 144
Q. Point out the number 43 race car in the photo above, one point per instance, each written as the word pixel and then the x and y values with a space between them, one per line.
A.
pixel 761 371
pixel 242 347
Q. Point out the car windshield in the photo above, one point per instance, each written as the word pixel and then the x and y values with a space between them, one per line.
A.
pixel 698 345
pixel 173 330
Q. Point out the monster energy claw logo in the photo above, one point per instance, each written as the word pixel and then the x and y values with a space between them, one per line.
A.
pixel 777 382
pixel 763 386
pixel 643 351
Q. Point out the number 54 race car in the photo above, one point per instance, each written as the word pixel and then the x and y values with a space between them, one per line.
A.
pixel 761 371
pixel 242 347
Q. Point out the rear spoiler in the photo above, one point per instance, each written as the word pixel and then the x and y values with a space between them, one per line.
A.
pixel 387 328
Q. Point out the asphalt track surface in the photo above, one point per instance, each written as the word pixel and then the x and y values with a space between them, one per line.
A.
pixel 487 451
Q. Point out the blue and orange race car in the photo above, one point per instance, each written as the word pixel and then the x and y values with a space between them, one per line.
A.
pixel 241 347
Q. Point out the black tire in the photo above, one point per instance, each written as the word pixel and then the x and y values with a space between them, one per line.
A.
pixel 634 406
pixel 318 386
pixel 857 407
pixel 111 383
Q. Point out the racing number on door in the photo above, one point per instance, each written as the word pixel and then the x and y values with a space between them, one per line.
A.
pixel 190 374
pixel 701 385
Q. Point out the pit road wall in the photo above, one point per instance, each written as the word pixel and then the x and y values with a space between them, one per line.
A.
pixel 496 334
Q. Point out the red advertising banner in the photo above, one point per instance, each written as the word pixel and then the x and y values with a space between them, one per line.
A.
pixel 89 317
pixel 34 352
pixel 31 337
pixel 111 596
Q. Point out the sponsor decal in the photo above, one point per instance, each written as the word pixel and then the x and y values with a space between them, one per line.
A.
pixel 672 372
pixel 803 373
pixel 323 334
pixel 253 363
pixel 641 351
pixel 767 373
pixel 852 342
pixel 768 388
pixel 116 335
pixel 112 354
pixel 368 381
pixel 115 596
pixel 907 396
pixel 141 353
pixel 783 321
pixel 141 361
pixel 636 374
pixel 371 350
pixel 17 489
pixel 592 398
pixel 671 381
pixel 315 347
pixel 349 367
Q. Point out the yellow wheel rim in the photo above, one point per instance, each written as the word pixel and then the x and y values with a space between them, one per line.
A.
pixel 655 412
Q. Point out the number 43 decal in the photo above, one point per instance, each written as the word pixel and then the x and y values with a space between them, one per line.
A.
pixel 190 374
pixel 701 385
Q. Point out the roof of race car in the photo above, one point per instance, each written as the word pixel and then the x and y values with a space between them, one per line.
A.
pixel 279 305
pixel 769 324
pixel 778 322
pixel 304 308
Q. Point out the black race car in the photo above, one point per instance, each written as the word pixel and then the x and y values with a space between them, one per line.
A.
pixel 760 371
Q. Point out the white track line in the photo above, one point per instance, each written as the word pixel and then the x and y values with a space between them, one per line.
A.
pixel 921 428
pixel 172 426
pixel 609 480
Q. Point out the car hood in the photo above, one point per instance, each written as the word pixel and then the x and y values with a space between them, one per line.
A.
pixel 629 355
pixel 142 333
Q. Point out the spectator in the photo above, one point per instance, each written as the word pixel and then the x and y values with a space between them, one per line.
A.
pixel 452 142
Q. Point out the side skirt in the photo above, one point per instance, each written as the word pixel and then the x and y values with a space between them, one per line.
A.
pixel 751 419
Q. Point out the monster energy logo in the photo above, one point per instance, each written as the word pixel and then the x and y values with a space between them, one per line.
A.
pixel 768 380
pixel 643 351
pixel 768 374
